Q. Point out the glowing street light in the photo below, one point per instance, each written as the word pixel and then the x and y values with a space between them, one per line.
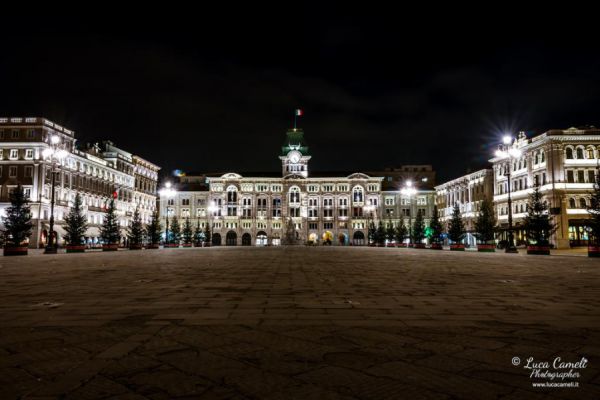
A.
pixel 409 190
pixel 55 155
pixel 167 192
pixel 507 153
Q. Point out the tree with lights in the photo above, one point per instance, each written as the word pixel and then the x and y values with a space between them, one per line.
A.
pixel 175 231
pixel 436 230
pixel 188 233
pixel 17 223
pixel 485 226
pixel 75 227
pixel 207 235
pixel 456 230
pixel 418 231
pixel 135 232
pixel 371 233
pixel 594 222
pixel 290 233
pixel 153 231
pixel 198 235
pixel 400 231
pixel 109 231
pixel 538 224
pixel 390 231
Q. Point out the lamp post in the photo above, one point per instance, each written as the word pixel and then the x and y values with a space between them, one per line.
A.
pixel 168 192
pixel 368 208
pixel 409 190
pixel 212 209
pixel 507 152
pixel 54 154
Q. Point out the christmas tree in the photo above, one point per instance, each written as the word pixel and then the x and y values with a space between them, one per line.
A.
pixel 537 222
pixel 188 233
pixel 290 232
pixel 75 223
pixel 485 224
pixel 418 231
pixel 207 234
pixel 371 233
pixel 153 230
pixel 390 231
pixel 401 231
pixel 436 227
pixel 175 231
pixel 18 218
pixel 109 231
pixel 594 221
pixel 198 235
pixel 456 227
pixel 380 234
pixel 135 232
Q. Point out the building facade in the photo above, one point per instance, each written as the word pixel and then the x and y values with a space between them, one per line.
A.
pixel 467 192
pixel 97 172
pixel 564 163
pixel 317 208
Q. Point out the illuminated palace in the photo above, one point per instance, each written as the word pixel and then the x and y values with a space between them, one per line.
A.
pixel 322 208
pixel 97 172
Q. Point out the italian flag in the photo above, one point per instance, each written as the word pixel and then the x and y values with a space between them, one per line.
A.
pixel 299 112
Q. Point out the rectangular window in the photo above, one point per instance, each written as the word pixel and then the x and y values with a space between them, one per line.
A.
pixel 29 154
pixel 313 213
pixel 14 154
pixel 580 176
pixel 294 211
pixel 328 213
pixel 570 177
pixel 170 202
pixel 247 213
pixel 27 192
pixel 591 176
pixel 185 202
pixel 343 202
pixel 328 225
pixel 313 226
pixel 343 212
pixel 15 134
pixel 12 171
pixel 357 212
pixel 30 133
pixel 185 212
pixel 28 171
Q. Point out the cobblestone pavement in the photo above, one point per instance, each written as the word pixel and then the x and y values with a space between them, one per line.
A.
pixel 294 323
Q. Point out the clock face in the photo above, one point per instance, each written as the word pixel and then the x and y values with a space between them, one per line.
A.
pixel 294 156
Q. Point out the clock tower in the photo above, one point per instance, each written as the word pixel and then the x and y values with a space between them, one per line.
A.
pixel 294 154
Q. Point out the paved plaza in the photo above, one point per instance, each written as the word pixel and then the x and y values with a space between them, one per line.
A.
pixel 295 323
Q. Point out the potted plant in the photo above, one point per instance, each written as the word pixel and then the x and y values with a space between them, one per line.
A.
pixel 538 224
pixel 456 230
pixel 400 232
pixel 75 227
pixel 594 222
pixel 418 231
pixel 153 231
pixel 187 233
pixel 485 227
pixel 135 232
pixel 436 229
pixel 17 223
pixel 109 231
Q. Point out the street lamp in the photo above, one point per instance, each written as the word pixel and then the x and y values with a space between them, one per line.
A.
pixel 168 192
pixel 409 190
pixel 212 209
pixel 55 155
pixel 369 208
pixel 507 153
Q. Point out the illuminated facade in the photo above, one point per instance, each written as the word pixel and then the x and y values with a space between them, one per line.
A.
pixel 564 162
pixel 322 208
pixel 97 172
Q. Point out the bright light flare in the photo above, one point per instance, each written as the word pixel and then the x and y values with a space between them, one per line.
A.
pixel 507 139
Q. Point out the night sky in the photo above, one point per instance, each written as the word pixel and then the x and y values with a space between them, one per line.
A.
pixel 217 93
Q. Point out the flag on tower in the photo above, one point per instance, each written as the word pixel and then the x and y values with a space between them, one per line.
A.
pixel 299 112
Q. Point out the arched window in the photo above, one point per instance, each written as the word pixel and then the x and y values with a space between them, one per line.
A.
pixel 357 194
pixel 294 195
pixel 590 153
pixel 542 156
pixel 569 153
pixel 231 194
pixel 580 153
pixel 571 203
pixel 582 203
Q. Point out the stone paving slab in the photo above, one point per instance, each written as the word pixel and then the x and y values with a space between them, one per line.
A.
pixel 294 323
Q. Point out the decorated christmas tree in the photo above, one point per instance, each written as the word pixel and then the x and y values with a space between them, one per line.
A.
pixel 400 231
pixel 187 233
pixel 135 232
pixel 109 231
pixel 456 227
pixel 418 231
pixel 154 229
pixel 435 227
pixel 537 222
pixel 380 234
pixel 17 221
pixel 594 221
pixel 75 223
pixel 198 235
pixel 175 231
pixel 485 224
pixel 371 233
pixel 207 234
pixel 290 233
pixel 390 231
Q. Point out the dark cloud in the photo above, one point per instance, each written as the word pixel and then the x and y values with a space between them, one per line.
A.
pixel 378 89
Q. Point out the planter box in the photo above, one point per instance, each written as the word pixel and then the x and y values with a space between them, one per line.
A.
pixel 110 247
pixel 75 248
pixel 539 250
pixel 436 246
pixel 187 245
pixel 457 247
pixel 171 245
pixel 593 251
pixel 153 246
pixel 198 244
pixel 419 245
pixel 486 248
pixel 206 244
pixel 390 245
pixel 135 247
pixel 15 250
